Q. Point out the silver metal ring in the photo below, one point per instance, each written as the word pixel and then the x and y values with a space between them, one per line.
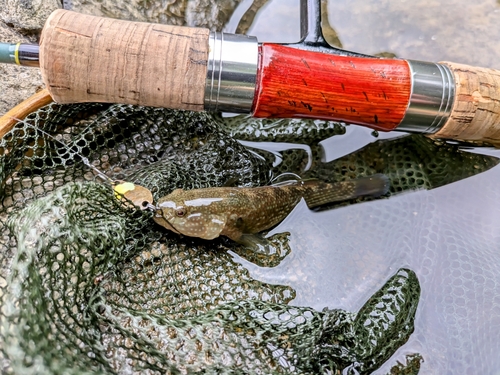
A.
pixel 431 100
pixel 231 72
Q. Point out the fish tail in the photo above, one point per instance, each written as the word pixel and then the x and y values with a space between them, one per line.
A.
pixel 318 193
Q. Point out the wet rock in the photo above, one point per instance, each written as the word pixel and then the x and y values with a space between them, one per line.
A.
pixel 210 14
pixel 199 13
pixel 27 15
pixel 160 11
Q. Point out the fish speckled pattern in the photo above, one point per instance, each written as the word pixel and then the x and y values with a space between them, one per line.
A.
pixel 233 212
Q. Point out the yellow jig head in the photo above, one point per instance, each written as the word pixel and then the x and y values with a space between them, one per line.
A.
pixel 139 196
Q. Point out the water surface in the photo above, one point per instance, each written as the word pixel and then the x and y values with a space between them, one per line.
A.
pixel 450 236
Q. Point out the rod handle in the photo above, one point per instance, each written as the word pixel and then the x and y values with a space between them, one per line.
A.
pixel 475 114
pixel 85 58
pixel 295 83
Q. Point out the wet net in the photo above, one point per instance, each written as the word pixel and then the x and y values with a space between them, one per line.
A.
pixel 90 285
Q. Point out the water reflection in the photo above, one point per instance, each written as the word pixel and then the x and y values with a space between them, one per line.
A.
pixel 447 235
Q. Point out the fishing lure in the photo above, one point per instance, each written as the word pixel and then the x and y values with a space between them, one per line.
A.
pixel 138 195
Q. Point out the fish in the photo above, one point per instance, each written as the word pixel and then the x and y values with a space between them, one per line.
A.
pixel 236 212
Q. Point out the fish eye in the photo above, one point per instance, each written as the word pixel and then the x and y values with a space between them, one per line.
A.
pixel 181 211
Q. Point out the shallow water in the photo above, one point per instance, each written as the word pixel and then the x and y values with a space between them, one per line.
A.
pixel 449 236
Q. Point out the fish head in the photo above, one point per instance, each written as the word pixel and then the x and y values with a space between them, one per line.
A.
pixel 193 218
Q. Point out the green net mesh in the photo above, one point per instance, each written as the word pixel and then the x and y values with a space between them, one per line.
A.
pixel 90 285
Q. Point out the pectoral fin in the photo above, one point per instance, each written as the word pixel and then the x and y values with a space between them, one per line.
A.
pixel 214 226
pixel 264 251
pixel 257 243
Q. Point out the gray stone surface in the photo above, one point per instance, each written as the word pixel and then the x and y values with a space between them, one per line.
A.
pixel 210 14
pixel 201 13
pixel 29 15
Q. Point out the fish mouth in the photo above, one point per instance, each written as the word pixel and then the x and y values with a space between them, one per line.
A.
pixel 164 221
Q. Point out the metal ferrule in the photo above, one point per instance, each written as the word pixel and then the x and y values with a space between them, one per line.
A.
pixel 231 73
pixel 431 100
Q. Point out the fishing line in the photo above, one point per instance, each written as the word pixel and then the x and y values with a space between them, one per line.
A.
pixel 85 160
pixel 120 188
pixel 287 182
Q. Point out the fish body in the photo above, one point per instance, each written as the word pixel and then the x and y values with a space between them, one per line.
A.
pixel 234 212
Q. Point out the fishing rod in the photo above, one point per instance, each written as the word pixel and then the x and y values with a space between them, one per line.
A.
pixel 85 58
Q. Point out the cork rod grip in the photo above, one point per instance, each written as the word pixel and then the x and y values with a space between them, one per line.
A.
pixel 93 59
pixel 475 115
